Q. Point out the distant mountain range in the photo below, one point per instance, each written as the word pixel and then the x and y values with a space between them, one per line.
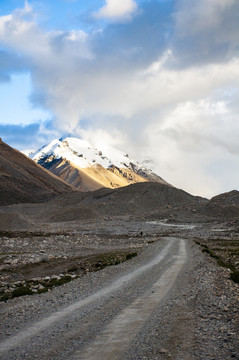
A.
pixel 87 168
pixel 148 197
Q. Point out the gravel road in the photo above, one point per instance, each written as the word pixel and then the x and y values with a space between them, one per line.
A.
pixel 166 303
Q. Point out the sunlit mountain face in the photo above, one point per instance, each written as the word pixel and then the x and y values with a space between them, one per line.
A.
pixel 88 168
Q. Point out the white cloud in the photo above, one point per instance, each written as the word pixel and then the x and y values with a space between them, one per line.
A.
pixel 206 31
pixel 201 15
pixel 185 119
pixel 117 10
pixel 20 32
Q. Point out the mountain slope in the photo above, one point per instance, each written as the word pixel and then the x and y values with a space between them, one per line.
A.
pixel 142 200
pixel 22 180
pixel 225 205
pixel 83 166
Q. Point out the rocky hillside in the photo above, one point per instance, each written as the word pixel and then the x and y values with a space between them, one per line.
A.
pixel 87 168
pixel 225 206
pixel 142 200
pixel 22 180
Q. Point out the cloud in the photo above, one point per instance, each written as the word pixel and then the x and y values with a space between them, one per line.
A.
pixel 116 10
pixel 159 86
pixel 201 15
pixel 138 42
pixel 34 135
pixel 205 31
pixel 9 64
pixel 19 32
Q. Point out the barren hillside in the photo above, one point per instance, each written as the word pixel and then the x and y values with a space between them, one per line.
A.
pixel 22 180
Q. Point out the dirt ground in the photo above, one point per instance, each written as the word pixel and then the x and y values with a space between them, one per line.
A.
pixel 35 262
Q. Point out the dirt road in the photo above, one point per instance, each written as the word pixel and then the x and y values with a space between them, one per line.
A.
pixel 145 308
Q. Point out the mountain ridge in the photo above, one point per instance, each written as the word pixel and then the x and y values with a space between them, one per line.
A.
pixel 88 168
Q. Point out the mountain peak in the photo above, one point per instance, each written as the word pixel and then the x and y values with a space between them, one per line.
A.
pixel 88 168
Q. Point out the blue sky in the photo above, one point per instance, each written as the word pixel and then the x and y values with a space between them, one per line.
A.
pixel 57 13
pixel 156 78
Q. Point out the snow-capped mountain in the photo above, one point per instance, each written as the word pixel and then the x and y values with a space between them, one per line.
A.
pixel 87 168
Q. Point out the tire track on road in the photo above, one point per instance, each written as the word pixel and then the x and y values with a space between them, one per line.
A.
pixel 115 339
pixel 40 326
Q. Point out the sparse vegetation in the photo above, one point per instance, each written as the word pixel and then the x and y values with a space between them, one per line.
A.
pixel 28 234
pixel 235 276
pixel 22 290
pixel 79 266
pixel 56 282
pixel 210 252
pixel 225 252
pixel 130 256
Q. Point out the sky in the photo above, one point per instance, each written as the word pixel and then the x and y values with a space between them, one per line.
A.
pixel 158 79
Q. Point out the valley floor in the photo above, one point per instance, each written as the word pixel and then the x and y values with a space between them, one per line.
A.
pixel 172 301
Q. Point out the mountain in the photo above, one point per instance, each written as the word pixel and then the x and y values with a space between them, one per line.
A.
pixel 148 200
pixel 87 168
pixel 228 198
pixel 22 180
pixel 225 205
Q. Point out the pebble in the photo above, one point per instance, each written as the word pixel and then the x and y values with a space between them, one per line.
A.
pixel 215 316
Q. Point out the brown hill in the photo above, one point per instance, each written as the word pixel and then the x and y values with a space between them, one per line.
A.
pixel 228 198
pixel 22 180
pixel 225 206
pixel 145 200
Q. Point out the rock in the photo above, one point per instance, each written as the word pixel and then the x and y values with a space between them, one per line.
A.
pixel 17 283
pixel 7 262
pixel 164 351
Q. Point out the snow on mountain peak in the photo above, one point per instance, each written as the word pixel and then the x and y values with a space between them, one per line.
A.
pixel 80 153
pixel 88 168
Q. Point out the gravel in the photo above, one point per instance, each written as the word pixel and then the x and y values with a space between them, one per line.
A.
pixel 197 319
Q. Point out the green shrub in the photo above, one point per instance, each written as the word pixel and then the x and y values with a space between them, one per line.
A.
pixel 131 255
pixel 5 297
pixel 22 290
